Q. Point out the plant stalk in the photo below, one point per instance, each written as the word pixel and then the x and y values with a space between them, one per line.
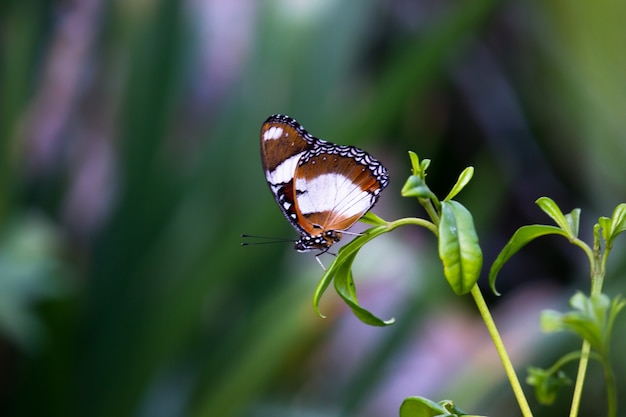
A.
pixel 504 357
pixel 611 390
pixel 597 261
pixel 580 379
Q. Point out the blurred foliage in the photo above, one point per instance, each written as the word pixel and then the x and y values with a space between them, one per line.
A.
pixel 129 166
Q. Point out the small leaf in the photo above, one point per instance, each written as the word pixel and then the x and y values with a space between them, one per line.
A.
pixel 520 238
pixel 617 305
pixel 416 187
pixel 547 384
pixel 616 225
pixel 573 220
pixel 372 219
pixel 453 409
pixel 421 407
pixel 458 247
pixel 579 301
pixel 418 168
pixel 461 182
pixel 415 163
pixel 607 229
pixel 552 209
pixel 619 219
pixel 551 321
pixel 588 320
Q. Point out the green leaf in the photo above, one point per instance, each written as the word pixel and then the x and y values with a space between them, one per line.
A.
pixel 415 163
pixel 573 220
pixel 619 220
pixel 418 168
pixel 551 321
pixel 591 318
pixel 344 284
pixel 612 227
pixel 374 220
pixel 451 408
pixel 552 209
pixel 421 407
pixel 458 247
pixel 607 229
pixel 461 182
pixel 340 271
pixel 583 320
pixel 416 187
pixel 546 383
pixel 617 305
pixel 520 238
pixel 322 285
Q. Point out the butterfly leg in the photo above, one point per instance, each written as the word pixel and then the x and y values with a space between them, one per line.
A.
pixel 317 258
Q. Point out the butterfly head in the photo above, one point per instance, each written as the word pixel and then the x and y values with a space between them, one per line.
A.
pixel 321 242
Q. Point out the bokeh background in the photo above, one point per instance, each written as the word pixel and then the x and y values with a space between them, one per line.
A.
pixel 129 167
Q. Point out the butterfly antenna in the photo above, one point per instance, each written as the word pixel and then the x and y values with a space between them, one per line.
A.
pixel 268 239
pixel 345 232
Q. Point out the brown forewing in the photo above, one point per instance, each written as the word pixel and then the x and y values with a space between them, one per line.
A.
pixel 275 151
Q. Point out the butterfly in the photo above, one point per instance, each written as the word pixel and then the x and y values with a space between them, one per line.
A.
pixel 321 188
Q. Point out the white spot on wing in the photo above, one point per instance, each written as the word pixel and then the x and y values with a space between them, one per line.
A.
pixel 332 192
pixel 284 172
pixel 273 133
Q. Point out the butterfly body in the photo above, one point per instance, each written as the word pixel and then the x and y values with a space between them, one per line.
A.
pixel 321 188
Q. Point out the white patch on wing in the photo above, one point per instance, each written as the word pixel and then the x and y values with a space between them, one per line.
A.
pixel 273 132
pixel 283 172
pixel 332 192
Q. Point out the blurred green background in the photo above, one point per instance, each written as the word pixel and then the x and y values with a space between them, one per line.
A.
pixel 129 167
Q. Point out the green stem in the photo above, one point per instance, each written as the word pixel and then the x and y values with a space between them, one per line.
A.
pixel 597 280
pixel 597 260
pixel 569 358
pixel 611 389
pixel 430 208
pixel 414 221
pixel 591 253
pixel 580 378
pixel 504 357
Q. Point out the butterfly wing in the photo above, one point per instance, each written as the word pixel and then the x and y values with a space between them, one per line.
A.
pixel 283 142
pixel 320 187
pixel 335 186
